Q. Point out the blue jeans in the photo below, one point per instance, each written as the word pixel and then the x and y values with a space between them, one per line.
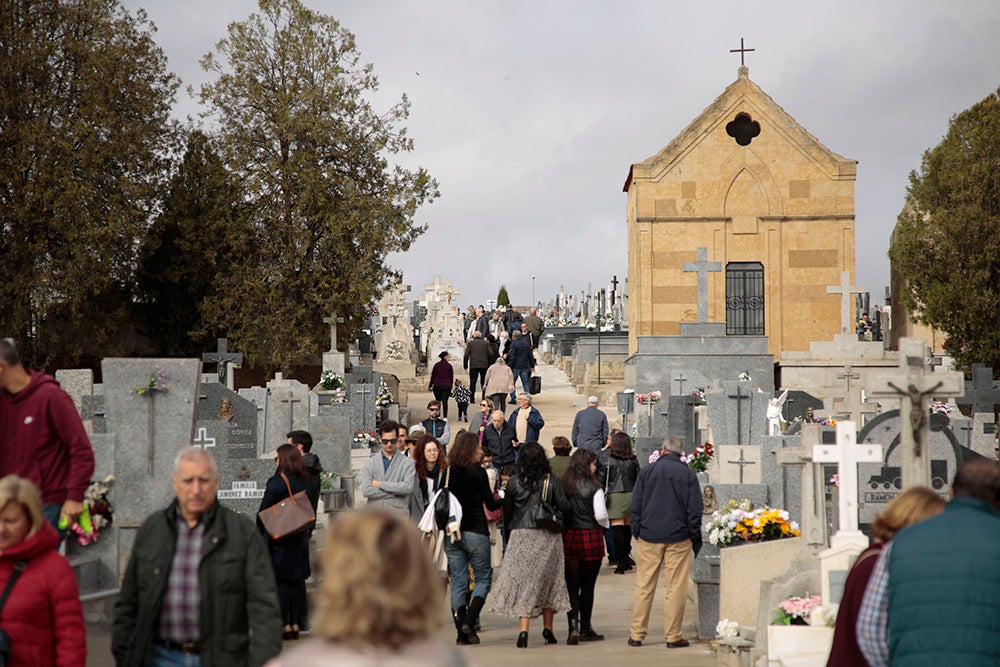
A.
pixel 475 549
pixel 164 657
pixel 524 374
pixel 52 516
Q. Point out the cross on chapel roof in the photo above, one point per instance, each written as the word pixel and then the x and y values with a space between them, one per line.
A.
pixel 742 51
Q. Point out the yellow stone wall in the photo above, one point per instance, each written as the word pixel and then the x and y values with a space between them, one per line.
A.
pixel 784 200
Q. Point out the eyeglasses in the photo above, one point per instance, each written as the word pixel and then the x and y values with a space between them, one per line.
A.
pixel 483 405
pixel 389 441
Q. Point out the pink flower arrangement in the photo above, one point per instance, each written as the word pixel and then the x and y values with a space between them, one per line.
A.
pixel 648 399
pixel 796 611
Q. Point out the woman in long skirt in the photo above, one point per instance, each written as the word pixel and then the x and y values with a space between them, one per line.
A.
pixel 531 581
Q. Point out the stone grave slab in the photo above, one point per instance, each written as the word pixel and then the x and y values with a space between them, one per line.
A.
pixel 798 403
pixel 287 410
pixel 242 483
pixel 77 382
pixel 879 483
pixel 225 411
pixel 258 396
pixel 93 413
pixel 739 465
pixel 149 430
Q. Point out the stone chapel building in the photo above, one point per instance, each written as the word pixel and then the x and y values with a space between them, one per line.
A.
pixel 767 199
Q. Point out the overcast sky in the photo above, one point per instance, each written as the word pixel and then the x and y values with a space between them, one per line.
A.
pixel 529 114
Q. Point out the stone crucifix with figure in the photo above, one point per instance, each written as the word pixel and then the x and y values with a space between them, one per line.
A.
pixel 916 386
pixel 702 267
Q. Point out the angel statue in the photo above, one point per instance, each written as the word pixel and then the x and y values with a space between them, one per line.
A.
pixel 775 420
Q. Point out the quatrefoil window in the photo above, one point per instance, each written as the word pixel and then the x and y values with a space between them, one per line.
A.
pixel 743 129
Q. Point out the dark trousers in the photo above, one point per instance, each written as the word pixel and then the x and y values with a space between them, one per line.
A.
pixel 581 577
pixel 499 402
pixel 442 394
pixel 477 373
pixel 292 596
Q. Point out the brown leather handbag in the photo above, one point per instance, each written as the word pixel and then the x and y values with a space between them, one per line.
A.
pixel 289 516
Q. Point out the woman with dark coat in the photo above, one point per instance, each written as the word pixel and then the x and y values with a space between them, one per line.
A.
pixel 442 381
pixel 619 479
pixel 43 615
pixel 289 555
pixel 532 580
pixel 583 542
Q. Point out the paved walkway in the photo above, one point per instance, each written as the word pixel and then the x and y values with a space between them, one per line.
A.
pixel 558 404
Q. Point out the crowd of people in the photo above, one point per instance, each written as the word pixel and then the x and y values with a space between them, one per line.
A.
pixel 483 512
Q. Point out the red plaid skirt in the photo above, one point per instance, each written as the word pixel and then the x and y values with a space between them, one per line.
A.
pixel 583 544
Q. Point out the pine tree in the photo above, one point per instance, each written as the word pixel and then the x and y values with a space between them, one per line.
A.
pixel 502 298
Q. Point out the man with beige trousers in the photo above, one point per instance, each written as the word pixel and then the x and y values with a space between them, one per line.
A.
pixel 666 524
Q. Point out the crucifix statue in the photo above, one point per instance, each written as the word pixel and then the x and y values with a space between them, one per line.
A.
pixel 333 321
pixel 222 357
pixel 915 385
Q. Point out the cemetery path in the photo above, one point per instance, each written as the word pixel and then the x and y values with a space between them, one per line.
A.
pixel 559 402
pixel 612 613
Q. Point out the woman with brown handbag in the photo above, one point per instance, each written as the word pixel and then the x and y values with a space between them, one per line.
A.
pixel 289 555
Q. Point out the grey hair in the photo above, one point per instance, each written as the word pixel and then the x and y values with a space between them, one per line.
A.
pixel 515 334
pixel 478 334
pixel 195 455
pixel 526 395
pixel 8 352
pixel 673 445
pixel 498 412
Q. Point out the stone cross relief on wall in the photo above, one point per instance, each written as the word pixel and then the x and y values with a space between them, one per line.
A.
pixel 846 290
pixel 702 267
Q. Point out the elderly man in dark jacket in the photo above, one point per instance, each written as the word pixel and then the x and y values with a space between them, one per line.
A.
pixel 199 582
pixel 590 427
pixel 666 523
pixel 499 438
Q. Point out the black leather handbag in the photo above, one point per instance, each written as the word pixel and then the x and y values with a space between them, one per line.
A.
pixel 442 504
pixel 547 516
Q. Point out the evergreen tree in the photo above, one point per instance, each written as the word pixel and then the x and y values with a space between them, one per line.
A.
pixel 502 298
pixel 946 246
pixel 312 154
pixel 84 128
pixel 200 233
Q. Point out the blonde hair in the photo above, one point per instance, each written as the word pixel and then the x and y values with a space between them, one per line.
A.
pixel 909 507
pixel 14 489
pixel 380 587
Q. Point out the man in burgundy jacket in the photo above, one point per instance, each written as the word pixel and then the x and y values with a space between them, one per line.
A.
pixel 42 437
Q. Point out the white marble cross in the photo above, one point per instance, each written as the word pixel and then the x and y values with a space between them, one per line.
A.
pixel 702 267
pixel 845 289
pixel 915 386
pixel 847 454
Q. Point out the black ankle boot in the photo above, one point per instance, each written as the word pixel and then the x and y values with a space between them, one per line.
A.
pixel 459 616
pixel 588 634
pixel 472 619
pixel 574 629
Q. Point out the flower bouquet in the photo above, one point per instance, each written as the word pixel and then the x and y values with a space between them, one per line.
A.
pixel 333 382
pixel 394 350
pixel 153 385
pixel 699 459
pixel 796 611
pixel 328 479
pixel 740 522
pixel 648 399
pixel 726 629
pixel 97 513
pixel 384 397
pixel 364 439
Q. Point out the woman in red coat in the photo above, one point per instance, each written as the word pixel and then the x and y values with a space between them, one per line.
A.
pixel 42 616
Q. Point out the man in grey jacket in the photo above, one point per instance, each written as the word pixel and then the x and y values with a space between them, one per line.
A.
pixel 590 427
pixel 387 477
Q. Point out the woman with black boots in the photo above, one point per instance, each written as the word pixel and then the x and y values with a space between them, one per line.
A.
pixel 470 486
pixel 619 480
pixel 532 580
pixel 583 542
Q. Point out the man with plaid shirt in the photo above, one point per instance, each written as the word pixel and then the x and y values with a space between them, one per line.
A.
pixel 199 588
